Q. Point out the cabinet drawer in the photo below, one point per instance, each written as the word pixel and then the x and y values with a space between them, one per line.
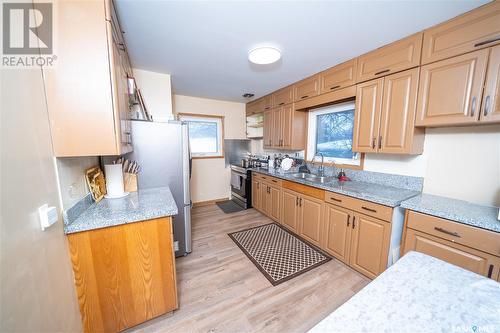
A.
pixel 307 88
pixel 283 96
pixel 267 102
pixel 338 77
pixel 304 189
pixel 471 31
pixel 476 238
pixel 362 206
pixel 456 254
pixel 267 179
pixel 395 57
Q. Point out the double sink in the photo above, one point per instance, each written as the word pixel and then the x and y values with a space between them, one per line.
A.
pixel 312 177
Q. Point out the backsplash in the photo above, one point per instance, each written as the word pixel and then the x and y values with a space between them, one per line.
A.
pixel 71 171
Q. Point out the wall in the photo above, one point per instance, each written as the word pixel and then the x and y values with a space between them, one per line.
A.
pixel 37 292
pixel 72 182
pixel 156 89
pixel 210 179
pixel 460 162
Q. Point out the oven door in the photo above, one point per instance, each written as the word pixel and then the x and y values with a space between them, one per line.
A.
pixel 238 183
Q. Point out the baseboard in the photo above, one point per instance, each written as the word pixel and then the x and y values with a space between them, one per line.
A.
pixel 208 202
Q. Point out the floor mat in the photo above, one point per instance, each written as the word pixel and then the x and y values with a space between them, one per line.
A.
pixel 229 206
pixel 277 253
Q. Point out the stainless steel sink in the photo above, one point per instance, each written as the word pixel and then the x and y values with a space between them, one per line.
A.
pixel 301 175
pixel 319 179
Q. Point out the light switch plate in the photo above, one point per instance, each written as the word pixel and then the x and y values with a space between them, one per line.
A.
pixel 47 215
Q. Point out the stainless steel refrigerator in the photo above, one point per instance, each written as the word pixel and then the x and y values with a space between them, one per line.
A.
pixel 162 151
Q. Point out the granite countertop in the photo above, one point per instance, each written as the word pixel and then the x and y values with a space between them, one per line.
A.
pixel 385 195
pixel 420 293
pixel 137 206
pixel 456 210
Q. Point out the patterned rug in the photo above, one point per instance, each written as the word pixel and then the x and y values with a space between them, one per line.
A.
pixel 277 253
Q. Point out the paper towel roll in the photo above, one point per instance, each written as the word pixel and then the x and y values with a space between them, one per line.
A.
pixel 114 181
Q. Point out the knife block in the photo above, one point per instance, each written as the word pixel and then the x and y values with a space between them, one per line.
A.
pixel 130 182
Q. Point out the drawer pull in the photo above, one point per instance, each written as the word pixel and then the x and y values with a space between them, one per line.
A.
pixel 490 271
pixel 267 108
pixel 274 181
pixel 334 87
pixel 304 96
pixel 335 199
pixel 282 103
pixel 369 209
pixel 382 72
pixel 444 231
pixel 487 42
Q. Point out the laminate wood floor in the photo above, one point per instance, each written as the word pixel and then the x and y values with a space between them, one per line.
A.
pixel 220 290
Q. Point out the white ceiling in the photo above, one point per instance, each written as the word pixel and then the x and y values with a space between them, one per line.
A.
pixel 204 45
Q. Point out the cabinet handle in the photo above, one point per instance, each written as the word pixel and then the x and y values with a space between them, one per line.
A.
pixel 304 96
pixel 258 185
pixel 487 105
pixel 348 218
pixel 382 72
pixel 296 201
pixel 300 202
pixel 282 103
pixel 380 142
pixel 373 142
pixel 487 41
pixel 369 209
pixel 473 106
pixel 335 199
pixel 274 180
pixel 334 87
pixel 490 271
pixel 354 222
pixel 267 108
pixel 444 231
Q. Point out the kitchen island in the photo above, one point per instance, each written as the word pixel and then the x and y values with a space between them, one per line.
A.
pixel 420 294
pixel 123 259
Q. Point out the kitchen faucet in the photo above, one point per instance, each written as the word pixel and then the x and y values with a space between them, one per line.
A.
pixel 321 169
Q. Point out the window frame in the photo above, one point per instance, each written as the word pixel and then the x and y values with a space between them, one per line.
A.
pixel 204 117
pixel 310 153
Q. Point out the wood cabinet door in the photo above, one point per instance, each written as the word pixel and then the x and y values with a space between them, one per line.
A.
pixel 336 238
pixel 338 77
pixel 256 194
pixel 398 56
pixel 289 209
pixel 265 205
pixel 471 31
pixel 283 96
pixel 367 115
pixel 456 254
pixel 274 197
pixel 306 88
pixel 276 135
pixel 399 105
pixel 311 219
pixel 286 126
pixel 268 129
pixel 450 90
pixel 370 240
pixel 490 109
pixel 267 102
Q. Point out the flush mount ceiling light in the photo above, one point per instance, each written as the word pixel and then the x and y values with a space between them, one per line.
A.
pixel 264 55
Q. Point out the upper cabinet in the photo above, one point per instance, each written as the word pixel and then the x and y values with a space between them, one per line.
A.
pixel 385 115
pixel 283 96
pixel 490 108
pixel 451 90
pixel 392 58
pixel 285 128
pixel 267 102
pixel 471 31
pixel 87 93
pixel 338 77
pixel 306 88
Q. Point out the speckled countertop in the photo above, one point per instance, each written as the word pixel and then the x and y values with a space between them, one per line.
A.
pixel 385 195
pixel 137 206
pixel 420 294
pixel 456 210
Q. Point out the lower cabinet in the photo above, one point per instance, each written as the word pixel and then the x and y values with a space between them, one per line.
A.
pixel 266 198
pixel 471 248
pixel 124 275
pixel 370 240
pixel 356 239
pixel 310 218
pixel 290 210
pixel 337 232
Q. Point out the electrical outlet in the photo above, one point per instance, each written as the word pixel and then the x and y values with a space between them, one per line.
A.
pixel 176 246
